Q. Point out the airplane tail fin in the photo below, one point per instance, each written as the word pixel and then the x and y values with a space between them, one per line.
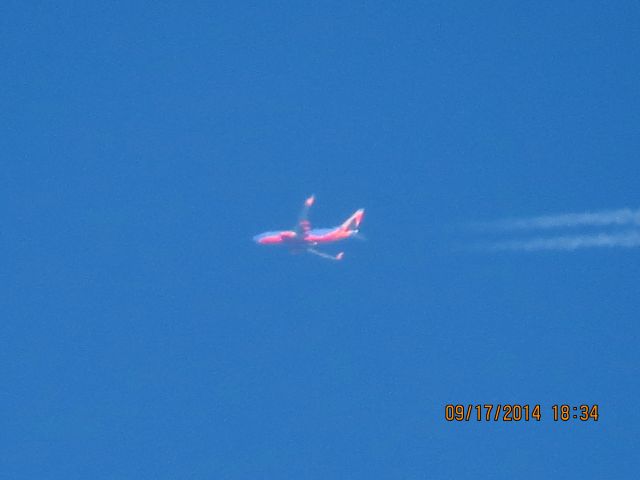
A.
pixel 353 222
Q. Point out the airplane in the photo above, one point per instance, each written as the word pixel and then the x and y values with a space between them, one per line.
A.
pixel 304 238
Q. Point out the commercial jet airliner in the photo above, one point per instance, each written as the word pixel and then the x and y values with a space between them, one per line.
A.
pixel 303 238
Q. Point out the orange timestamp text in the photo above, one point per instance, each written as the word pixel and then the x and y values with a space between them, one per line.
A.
pixel 513 412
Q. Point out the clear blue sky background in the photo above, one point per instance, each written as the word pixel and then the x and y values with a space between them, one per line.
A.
pixel 144 335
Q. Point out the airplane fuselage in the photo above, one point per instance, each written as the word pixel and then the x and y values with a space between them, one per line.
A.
pixel 312 237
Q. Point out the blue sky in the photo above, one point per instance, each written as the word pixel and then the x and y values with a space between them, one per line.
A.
pixel 144 335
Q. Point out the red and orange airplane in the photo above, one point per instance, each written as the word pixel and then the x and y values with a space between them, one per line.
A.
pixel 304 238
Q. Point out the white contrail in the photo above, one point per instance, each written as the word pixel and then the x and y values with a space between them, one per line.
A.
pixel 571 242
pixel 622 217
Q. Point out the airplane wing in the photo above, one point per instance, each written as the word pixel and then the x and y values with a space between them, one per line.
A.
pixel 303 225
pixel 326 255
